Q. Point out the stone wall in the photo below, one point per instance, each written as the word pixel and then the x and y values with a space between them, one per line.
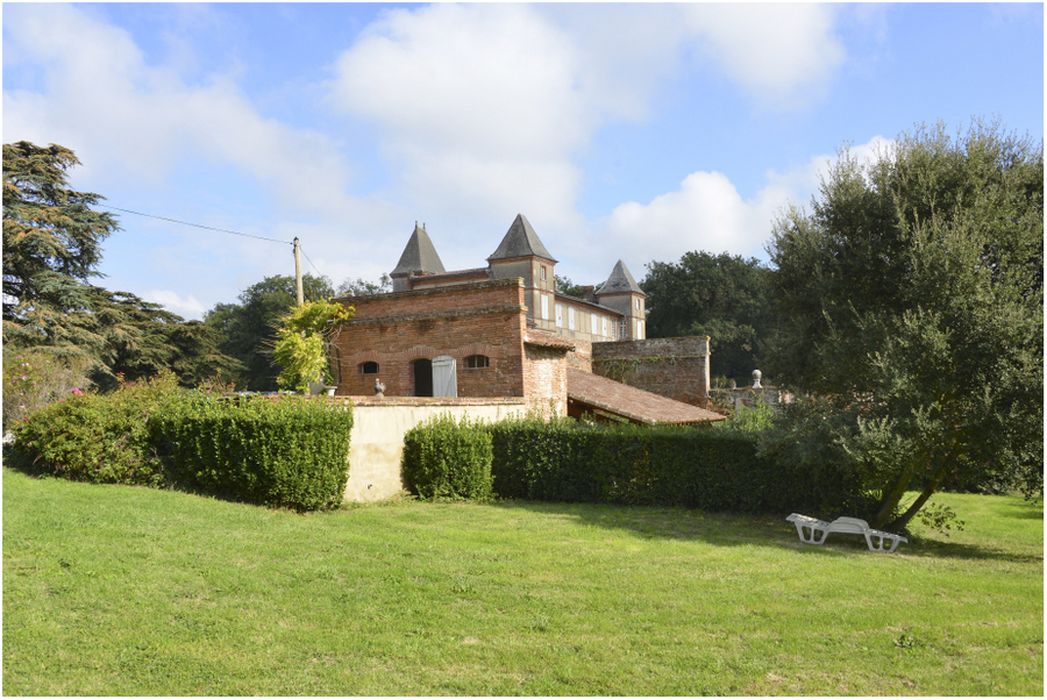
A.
pixel 674 367
pixel 377 439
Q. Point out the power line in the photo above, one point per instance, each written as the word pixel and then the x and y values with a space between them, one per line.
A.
pixel 203 226
pixel 308 260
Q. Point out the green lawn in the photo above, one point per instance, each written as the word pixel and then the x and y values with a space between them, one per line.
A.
pixel 129 591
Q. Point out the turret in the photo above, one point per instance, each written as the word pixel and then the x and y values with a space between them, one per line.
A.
pixel 522 254
pixel 419 257
pixel 621 293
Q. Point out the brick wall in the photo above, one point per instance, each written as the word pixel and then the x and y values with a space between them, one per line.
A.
pixel 673 367
pixel 582 355
pixel 486 318
pixel 545 379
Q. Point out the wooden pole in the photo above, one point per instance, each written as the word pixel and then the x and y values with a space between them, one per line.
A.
pixel 299 293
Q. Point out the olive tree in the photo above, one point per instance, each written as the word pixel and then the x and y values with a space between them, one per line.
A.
pixel 911 306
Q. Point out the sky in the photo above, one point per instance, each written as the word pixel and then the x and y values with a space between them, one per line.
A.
pixel 638 132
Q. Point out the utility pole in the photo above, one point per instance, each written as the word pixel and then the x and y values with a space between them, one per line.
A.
pixel 299 293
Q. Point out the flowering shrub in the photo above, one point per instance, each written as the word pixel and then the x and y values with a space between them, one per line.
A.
pixel 99 438
pixel 34 379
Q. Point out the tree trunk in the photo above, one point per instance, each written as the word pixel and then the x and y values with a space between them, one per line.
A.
pixel 893 496
pixel 901 521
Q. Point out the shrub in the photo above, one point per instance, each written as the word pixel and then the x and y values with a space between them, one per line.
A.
pixel 97 438
pixel 34 379
pixel 445 458
pixel 282 452
pixel 665 465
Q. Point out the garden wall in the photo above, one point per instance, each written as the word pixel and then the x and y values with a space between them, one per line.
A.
pixel 377 439
pixel 674 367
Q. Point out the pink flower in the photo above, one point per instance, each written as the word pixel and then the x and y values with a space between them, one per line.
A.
pixel 77 391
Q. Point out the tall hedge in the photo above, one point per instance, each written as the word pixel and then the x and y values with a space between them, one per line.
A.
pixel 445 458
pixel 677 466
pixel 282 452
pixel 287 453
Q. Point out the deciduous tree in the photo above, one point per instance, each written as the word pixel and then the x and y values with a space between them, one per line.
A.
pixel 723 296
pixel 247 330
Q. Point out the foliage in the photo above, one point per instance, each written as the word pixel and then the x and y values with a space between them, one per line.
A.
pixel 33 379
pixel 748 420
pixel 705 468
pixel 282 452
pixel 362 287
pixel 302 344
pixel 246 330
pixel 52 245
pixel 564 285
pixel 142 339
pixel 446 458
pixel 97 438
pixel 725 297
pixel 911 302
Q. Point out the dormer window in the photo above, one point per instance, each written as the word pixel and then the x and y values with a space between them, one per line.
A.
pixel 477 362
pixel 368 368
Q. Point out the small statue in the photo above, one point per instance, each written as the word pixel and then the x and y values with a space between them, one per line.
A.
pixel 379 388
pixel 756 379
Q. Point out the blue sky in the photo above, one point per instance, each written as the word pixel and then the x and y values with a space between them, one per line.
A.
pixel 622 131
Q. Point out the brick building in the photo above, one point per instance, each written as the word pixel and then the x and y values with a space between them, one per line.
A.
pixel 504 330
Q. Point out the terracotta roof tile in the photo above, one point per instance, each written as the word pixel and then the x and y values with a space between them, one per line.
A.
pixel 632 403
pixel 547 340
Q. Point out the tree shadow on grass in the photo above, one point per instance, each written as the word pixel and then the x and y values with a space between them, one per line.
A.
pixel 733 530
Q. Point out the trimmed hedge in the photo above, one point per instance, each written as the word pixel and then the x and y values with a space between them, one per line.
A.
pixel 445 458
pixel 282 452
pixel 675 466
pixel 287 452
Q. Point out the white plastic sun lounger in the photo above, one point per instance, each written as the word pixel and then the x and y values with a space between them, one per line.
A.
pixel 814 531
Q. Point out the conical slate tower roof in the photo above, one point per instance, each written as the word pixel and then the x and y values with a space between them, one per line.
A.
pixel 621 280
pixel 520 240
pixel 419 255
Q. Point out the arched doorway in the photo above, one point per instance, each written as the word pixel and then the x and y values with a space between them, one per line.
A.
pixel 423 377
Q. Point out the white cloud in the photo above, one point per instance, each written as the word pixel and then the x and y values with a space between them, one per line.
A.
pixel 479 106
pixel 188 306
pixel 708 213
pixel 780 53
pixel 101 98
pixel 484 108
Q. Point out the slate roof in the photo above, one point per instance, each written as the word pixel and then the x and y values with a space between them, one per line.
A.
pixel 621 280
pixel 419 255
pixel 629 402
pixel 520 240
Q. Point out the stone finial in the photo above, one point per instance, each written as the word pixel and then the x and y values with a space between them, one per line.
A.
pixel 757 374
pixel 379 388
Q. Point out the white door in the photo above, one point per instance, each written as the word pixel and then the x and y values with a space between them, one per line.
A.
pixel 445 376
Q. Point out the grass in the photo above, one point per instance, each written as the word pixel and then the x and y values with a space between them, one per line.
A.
pixel 128 591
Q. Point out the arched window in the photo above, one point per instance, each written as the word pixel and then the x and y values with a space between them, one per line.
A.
pixel 477 362
pixel 368 368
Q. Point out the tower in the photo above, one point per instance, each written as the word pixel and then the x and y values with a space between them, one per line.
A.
pixel 621 293
pixel 522 254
